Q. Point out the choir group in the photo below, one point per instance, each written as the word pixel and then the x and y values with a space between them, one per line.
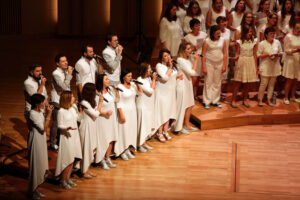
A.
pixel 116 114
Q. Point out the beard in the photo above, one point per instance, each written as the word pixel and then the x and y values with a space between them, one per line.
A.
pixel 89 57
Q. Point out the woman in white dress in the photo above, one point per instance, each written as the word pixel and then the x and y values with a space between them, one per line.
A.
pixel 193 12
pixel 184 88
pixel 69 143
pixel 88 128
pixel 214 64
pixel 284 15
pixel 291 66
pixel 248 19
pixel 37 144
pixel 236 16
pixel 246 68
pixel 218 9
pixel 127 116
pixel 262 13
pixel 170 31
pixel 295 17
pixel 165 97
pixel 269 52
pixel 181 10
pixel 196 38
pixel 107 124
pixel 145 106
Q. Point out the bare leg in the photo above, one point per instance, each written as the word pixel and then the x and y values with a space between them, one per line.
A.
pixel 195 81
pixel 287 88
pixel 245 93
pixel 65 175
pixel 109 149
pixel 187 117
pixel 166 126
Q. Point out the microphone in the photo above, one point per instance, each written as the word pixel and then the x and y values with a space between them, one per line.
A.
pixel 193 53
pixel 119 89
pixel 41 76
pixel 82 106
pixel 105 100
pixel 159 76
pixel 100 58
pixel 140 83
pixel 175 62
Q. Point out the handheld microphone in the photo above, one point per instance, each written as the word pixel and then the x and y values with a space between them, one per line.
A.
pixel 159 76
pixel 41 76
pixel 119 89
pixel 140 83
pixel 100 58
pixel 105 100
pixel 193 53
pixel 82 106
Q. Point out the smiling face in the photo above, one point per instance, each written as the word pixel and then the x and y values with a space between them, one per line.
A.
pixel 63 63
pixel 114 41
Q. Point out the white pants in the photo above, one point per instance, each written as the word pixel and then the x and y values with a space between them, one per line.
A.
pixel 212 83
pixel 264 82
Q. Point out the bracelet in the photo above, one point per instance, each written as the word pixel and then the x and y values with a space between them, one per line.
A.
pixel 48 119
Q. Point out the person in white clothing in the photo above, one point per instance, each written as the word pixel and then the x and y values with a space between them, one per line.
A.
pixel 86 68
pixel 289 27
pixel 284 15
pixel 181 10
pixel 61 79
pixel 107 124
pixel 127 116
pixel 184 88
pixel 214 64
pixel 236 16
pixel 269 52
pixel 145 106
pixel 193 12
pixel 291 66
pixel 262 13
pixel 272 22
pixel 248 19
pixel 170 31
pixel 37 144
pixel 88 128
pixel 112 54
pixel 69 144
pixel 218 9
pixel 196 38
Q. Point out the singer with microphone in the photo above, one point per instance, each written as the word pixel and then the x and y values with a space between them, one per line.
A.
pixel 107 124
pixel 184 89
pixel 61 79
pixel 196 37
pixel 127 116
pixel 112 54
pixel 145 106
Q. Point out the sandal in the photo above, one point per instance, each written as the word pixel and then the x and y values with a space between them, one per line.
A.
pixel 160 137
pixel 167 136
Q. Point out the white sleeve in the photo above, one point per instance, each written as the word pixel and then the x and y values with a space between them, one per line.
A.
pixel 93 113
pixel 37 122
pixel 30 89
pixel 163 30
pixel 185 68
pixel 146 89
pixel 112 63
pixel 260 49
pixel 161 73
pixel 186 24
pixel 78 68
pixel 64 84
pixel 60 120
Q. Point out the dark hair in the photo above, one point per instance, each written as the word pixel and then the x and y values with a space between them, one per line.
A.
pixel 57 57
pixel 109 37
pixel 269 30
pixel 167 13
pixel 214 2
pixel 260 5
pixel 33 66
pixel 143 69
pixel 193 22
pixel 161 53
pixel 65 99
pixel 236 5
pixel 245 31
pixel 251 24
pixel 189 11
pixel 124 72
pixel 283 9
pixel 271 14
pixel 213 29
pixel 221 19
pixel 36 99
pixel 177 4
pixel 89 93
pixel 99 82
pixel 292 20
pixel 84 49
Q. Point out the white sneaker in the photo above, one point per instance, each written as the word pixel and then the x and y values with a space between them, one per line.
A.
pixel 191 128
pixel 110 163
pixel 40 194
pixel 71 183
pixel 148 147
pixel 142 149
pixel 219 105
pixel 104 165
pixel 286 102
pixel 65 185
pixel 184 131
pixel 124 156
pixel 206 106
pixel 129 154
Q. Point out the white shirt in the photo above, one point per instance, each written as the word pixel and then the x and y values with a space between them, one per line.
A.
pixel 31 87
pixel 60 82
pixel 86 71
pixel 113 60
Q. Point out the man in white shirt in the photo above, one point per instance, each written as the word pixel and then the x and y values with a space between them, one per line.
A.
pixel 61 79
pixel 35 83
pixel 113 56
pixel 86 68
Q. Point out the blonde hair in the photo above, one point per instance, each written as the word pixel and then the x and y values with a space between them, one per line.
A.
pixel 182 48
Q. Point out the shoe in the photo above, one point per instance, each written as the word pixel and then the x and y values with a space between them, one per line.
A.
pixel 129 154
pixel 246 105
pixel 286 102
pixel 124 156
pixel 167 136
pixel 109 163
pixel 104 165
pixel 233 106
pixel 260 104
pixel 65 185
pixel 148 147
pixel 161 138
pixel 35 195
pixel 142 149
pixel 206 106
pixel 271 104
pixel 296 100
pixel 40 194
pixel 218 105
pixel 191 128
pixel 71 183
pixel 184 131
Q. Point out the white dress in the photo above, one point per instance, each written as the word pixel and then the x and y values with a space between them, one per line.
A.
pixel 128 130
pixel 236 22
pixel 205 5
pixel 37 150
pixel 181 13
pixel 107 128
pixel 282 24
pixel 269 67
pixel 215 15
pixel 165 97
pixel 145 110
pixel 171 33
pixel 291 66
pixel 69 142
pixel 186 23
pixel 184 91
pixel 245 69
pixel 261 21
pixel 88 135
pixel 197 40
